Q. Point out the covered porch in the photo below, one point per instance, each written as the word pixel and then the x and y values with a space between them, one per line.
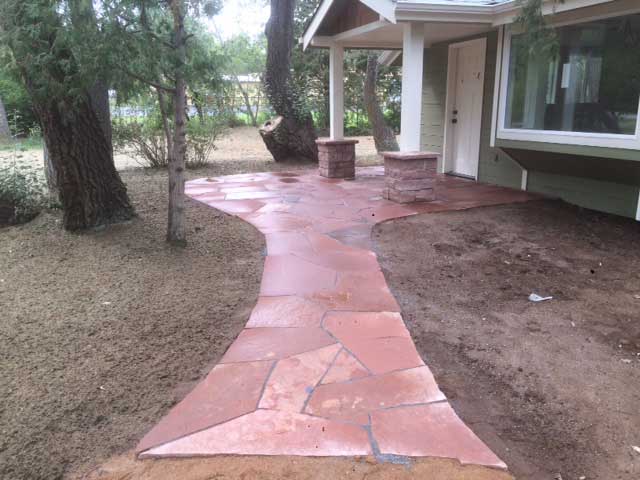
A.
pixel 403 30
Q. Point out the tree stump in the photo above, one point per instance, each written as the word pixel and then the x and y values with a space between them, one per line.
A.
pixel 282 138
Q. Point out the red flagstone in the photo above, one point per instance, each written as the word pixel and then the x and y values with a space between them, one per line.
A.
pixel 326 335
pixel 228 392
pixel 291 275
pixel 294 378
pixel 346 367
pixel 255 344
pixel 381 355
pixel 270 432
pixel 365 325
pixel 289 311
pixel 354 401
pixel 430 431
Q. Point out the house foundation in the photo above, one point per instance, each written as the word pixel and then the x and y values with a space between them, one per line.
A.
pixel 410 176
pixel 337 158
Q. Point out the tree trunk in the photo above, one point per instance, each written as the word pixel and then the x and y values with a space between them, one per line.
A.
pixel 297 140
pixel 176 231
pixel 383 135
pixel 90 189
pixel 50 175
pixel 5 132
pixel 247 103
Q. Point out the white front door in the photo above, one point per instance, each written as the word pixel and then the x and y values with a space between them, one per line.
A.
pixel 465 118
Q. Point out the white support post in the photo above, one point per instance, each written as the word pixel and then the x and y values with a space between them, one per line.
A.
pixel 412 63
pixel 336 92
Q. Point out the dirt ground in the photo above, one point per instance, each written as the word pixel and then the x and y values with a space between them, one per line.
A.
pixel 552 387
pixel 101 333
pixel 240 144
pixel 291 468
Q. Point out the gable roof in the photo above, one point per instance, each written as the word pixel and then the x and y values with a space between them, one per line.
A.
pixel 493 12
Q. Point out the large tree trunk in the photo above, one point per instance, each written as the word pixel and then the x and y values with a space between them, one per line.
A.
pixel 91 191
pixel 298 137
pixel 50 175
pixel 176 230
pixel 5 132
pixel 383 135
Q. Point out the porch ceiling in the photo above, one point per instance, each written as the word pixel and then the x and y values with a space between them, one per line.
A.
pixel 388 36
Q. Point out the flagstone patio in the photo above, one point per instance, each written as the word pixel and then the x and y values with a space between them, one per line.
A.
pixel 325 365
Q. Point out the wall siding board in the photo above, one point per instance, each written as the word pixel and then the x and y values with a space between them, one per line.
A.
pixel 598 195
pixel 497 167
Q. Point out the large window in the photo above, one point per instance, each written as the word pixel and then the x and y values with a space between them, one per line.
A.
pixel 592 86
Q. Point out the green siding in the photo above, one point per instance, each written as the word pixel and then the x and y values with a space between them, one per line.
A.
pixel 495 166
pixel 598 195
pixel 434 94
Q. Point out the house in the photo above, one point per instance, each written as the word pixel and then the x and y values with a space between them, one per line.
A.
pixel 565 125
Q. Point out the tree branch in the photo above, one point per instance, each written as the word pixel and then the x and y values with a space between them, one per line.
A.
pixel 151 83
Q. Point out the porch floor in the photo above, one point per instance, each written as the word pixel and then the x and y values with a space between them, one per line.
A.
pixel 325 365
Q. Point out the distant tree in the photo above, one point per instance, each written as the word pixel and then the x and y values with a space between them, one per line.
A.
pixel 310 68
pixel 17 103
pixel 5 132
pixel 246 56
pixel 54 47
pixel 291 134
pixel 383 135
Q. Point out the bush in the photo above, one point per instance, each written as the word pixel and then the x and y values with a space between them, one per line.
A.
pixel 22 118
pixel 23 192
pixel 201 138
pixel 145 140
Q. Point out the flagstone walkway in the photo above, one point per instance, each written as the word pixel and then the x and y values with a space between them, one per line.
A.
pixel 325 365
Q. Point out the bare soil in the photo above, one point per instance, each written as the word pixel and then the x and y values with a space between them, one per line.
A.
pixel 240 144
pixel 102 333
pixel 552 387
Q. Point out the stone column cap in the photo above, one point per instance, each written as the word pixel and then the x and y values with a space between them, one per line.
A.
pixel 331 141
pixel 411 155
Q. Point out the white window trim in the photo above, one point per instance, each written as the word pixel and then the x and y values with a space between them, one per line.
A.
pixel 605 140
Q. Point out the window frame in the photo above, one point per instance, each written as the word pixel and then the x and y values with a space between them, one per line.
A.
pixel 590 139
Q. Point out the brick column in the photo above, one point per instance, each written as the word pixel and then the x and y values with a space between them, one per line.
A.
pixel 337 158
pixel 410 176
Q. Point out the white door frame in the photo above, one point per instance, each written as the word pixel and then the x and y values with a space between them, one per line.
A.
pixel 452 67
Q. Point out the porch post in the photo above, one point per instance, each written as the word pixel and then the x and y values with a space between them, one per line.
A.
pixel 336 92
pixel 411 108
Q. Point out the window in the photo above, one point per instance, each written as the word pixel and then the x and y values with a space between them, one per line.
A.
pixel 591 88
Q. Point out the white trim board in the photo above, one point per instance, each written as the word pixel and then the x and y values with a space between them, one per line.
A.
pixel 638 207
pixel 606 140
pixel 496 88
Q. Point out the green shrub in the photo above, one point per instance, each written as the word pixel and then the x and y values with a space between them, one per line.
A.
pixel 145 139
pixel 201 138
pixel 17 104
pixel 23 192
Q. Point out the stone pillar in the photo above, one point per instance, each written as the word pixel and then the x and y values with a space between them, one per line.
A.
pixel 337 158
pixel 410 176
